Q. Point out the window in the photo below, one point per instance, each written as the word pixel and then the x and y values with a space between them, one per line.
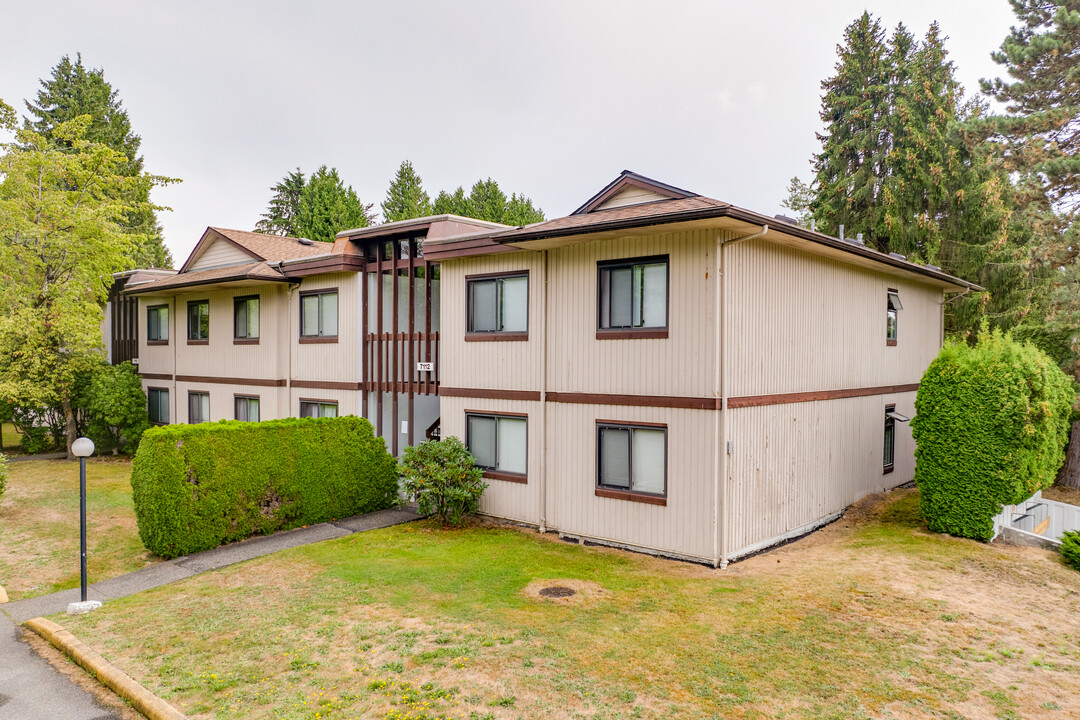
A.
pixel 498 306
pixel 247 408
pixel 318 408
pixel 892 306
pixel 157 324
pixel 246 319
pixel 198 320
pixel 318 315
pixel 499 443
pixel 889 453
pixel 158 405
pixel 198 404
pixel 633 298
pixel 631 461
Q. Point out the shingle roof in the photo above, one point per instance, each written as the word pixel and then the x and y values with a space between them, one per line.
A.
pixel 254 271
pixel 597 219
pixel 274 247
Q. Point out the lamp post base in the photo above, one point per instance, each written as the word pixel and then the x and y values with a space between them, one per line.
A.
pixel 79 608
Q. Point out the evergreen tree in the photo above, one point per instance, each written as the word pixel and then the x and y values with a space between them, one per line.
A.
pixel 487 201
pixel 73 90
pixel 452 204
pixel 328 206
pixel 282 213
pixel 521 211
pixel 406 199
pixel 799 199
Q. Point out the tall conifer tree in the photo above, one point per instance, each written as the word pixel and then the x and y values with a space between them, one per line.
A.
pixel 406 198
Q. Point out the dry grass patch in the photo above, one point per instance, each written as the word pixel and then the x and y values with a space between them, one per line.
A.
pixel 873 617
pixel 39 526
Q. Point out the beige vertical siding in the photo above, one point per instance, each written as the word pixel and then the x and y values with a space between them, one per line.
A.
pixel 273 401
pixel 505 365
pixel 791 465
pixel 336 362
pixel 801 322
pixel 218 254
pixel 510 500
pixel 158 358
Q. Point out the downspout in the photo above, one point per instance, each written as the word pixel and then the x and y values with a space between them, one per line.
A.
pixel 174 321
pixel 543 396
pixel 725 383
pixel 291 346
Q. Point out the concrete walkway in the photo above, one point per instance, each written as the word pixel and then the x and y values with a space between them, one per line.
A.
pixel 31 689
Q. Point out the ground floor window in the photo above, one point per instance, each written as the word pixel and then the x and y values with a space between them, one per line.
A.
pixel 198 407
pixel 247 408
pixel 158 405
pixel 498 442
pixel 318 408
pixel 889 452
pixel 632 458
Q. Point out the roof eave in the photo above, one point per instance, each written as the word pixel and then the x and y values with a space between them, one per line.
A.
pixel 144 290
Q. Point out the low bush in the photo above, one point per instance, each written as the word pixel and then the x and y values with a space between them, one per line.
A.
pixel 116 414
pixel 991 425
pixel 198 486
pixel 443 479
pixel 1070 548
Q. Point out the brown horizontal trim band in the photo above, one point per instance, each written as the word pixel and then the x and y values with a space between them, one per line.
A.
pixel 156 376
pixel 318 340
pixel 497 337
pixel 632 497
pixel 814 395
pixel 140 290
pixel 257 382
pixel 633 423
pixel 489 394
pixel 326 385
pixel 199 342
pixel 665 401
pixel 658 334
pixel 157 342
pixel 418 387
pixel 245 341
pixel 497 413
pixel 509 477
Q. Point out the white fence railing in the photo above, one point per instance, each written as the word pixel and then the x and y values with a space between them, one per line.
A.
pixel 1037 516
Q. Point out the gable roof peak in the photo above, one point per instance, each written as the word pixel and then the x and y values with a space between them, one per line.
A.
pixel 649 190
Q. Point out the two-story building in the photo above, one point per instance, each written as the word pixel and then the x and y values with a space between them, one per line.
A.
pixel 657 370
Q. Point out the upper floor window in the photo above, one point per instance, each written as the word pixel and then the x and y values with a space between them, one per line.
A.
pixel 633 298
pixel 319 314
pixel 632 459
pixel 198 320
pixel 498 305
pixel 892 307
pixel 198 407
pixel 318 408
pixel 158 405
pixel 247 408
pixel 498 442
pixel 246 318
pixel 157 324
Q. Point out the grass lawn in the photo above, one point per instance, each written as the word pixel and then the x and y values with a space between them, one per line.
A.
pixel 870 617
pixel 9 438
pixel 39 526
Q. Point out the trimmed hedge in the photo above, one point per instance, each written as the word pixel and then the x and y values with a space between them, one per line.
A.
pixel 991 425
pixel 198 486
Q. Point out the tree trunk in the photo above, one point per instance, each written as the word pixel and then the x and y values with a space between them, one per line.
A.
pixel 1069 476
pixel 72 428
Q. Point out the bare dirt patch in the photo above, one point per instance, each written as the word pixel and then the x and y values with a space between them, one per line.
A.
pixel 555 590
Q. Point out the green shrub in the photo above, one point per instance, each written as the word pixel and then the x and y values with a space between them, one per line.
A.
pixel 443 479
pixel 991 423
pixel 198 486
pixel 1070 548
pixel 116 409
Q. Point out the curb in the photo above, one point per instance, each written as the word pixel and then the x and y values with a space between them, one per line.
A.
pixel 112 677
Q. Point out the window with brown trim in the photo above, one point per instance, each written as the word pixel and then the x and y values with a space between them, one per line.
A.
pixel 198 321
pixel 157 405
pixel 198 407
pixel 632 298
pixel 319 316
pixel 246 320
pixel 497 306
pixel 500 444
pixel 318 408
pixel 246 408
pixel 892 308
pixel 889 450
pixel 157 325
pixel 631 461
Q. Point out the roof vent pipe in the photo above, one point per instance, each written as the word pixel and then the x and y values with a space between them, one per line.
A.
pixel 305 241
pixel 813 225
pixel 841 232
pixel 858 238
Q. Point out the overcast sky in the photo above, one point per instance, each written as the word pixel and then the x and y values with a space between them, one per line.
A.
pixel 551 98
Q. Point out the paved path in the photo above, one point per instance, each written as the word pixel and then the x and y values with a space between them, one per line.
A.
pixel 31 689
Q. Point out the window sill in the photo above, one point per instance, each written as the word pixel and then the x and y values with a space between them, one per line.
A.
pixel 245 341
pixel 631 496
pixel 198 342
pixel 887 469
pixel 315 339
pixel 157 342
pixel 508 477
pixel 641 334
pixel 497 337
pixel 890 343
